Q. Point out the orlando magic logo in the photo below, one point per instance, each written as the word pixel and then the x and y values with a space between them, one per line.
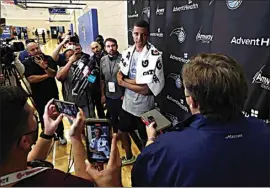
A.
pixel 174 120
pixel 147 11
pixel 233 4
pixel 177 79
pixel 180 34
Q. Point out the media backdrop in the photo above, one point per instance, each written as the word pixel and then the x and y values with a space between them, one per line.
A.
pixel 181 29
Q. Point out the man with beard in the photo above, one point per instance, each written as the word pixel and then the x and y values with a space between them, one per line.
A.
pixel 40 71
pixel 96 91
pixel 112 93
pixel 24 167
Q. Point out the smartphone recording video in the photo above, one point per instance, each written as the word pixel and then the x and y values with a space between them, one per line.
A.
pixel 65 107
pixel 98 143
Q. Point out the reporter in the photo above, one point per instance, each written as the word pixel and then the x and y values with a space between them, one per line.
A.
pixel 217 145
pixel 19 132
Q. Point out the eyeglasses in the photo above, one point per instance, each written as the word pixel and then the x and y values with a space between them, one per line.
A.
pixel 30 132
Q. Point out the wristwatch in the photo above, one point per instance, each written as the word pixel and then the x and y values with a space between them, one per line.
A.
pixel 45 136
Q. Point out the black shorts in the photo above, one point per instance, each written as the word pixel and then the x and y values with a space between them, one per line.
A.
pixel 129 123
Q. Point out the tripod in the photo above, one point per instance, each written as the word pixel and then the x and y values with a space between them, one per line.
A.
pixel 12 77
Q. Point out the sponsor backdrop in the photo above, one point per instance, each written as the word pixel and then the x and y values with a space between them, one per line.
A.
pixel 181 29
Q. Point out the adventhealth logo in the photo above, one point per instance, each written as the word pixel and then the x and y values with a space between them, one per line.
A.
pixel 251 42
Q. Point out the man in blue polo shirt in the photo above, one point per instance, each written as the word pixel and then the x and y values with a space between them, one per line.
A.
pixel 217 145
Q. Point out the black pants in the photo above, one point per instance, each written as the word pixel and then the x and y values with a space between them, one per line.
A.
pixel 40 105
pixel 96 99
pixel 114 109
pixel 44 41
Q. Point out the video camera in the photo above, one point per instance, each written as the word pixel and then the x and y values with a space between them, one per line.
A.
pixel 85 73
pixel 7 51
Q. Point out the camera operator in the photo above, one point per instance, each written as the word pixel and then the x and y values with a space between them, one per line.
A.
pixel 217 146
pixel 96 90
pixel 40 71
pixel 22 165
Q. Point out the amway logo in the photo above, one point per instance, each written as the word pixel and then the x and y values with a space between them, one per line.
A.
pixel 180 104
pixel 204 38
pixel 180 59
pixel 260 79
pixel 158 34
pixel 159 12
pixel 250 42
pixel 190 6
pixel 135 15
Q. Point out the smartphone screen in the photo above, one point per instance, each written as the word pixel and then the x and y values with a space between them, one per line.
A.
pixel 98 143
pixel 65 107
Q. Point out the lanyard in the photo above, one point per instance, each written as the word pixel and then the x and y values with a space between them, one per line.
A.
pixel 111 70
pixel 17 176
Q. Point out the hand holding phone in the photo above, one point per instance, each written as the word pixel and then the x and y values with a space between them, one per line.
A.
pixel 71 109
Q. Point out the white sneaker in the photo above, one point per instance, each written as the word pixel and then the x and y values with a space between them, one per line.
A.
pixel 62 140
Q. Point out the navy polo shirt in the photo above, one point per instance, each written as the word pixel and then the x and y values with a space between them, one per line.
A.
pixel 207 153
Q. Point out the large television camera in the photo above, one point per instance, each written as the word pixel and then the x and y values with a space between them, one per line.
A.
pixel 7 51
pixel 84 74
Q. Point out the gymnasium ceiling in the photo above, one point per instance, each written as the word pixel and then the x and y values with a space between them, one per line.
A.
pixel 38 10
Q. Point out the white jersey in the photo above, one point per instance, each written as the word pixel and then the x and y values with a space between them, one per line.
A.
pixel 101 145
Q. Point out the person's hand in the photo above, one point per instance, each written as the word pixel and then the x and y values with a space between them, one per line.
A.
pixel 78 125
pixel 151 132
pixel 67 38
pixel 120 78
pixel 41 63
pixel 111 176
pixel 122 98
pixel 103 99
pixel 51 118
pixel 73 58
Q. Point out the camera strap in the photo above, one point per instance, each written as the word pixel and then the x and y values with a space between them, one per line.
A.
pixel 18 176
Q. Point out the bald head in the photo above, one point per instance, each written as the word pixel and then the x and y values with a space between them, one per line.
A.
pixel 33 49
pixel 96 48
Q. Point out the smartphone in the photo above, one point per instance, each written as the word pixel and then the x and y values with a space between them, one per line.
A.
pixel 65 107
pixel 155 116
pixel 98 142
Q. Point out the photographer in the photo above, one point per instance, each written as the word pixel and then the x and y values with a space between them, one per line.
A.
pixel 217 146
pixel 40 71
pixel 62 59
pixel 24 167
pixel 64 75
